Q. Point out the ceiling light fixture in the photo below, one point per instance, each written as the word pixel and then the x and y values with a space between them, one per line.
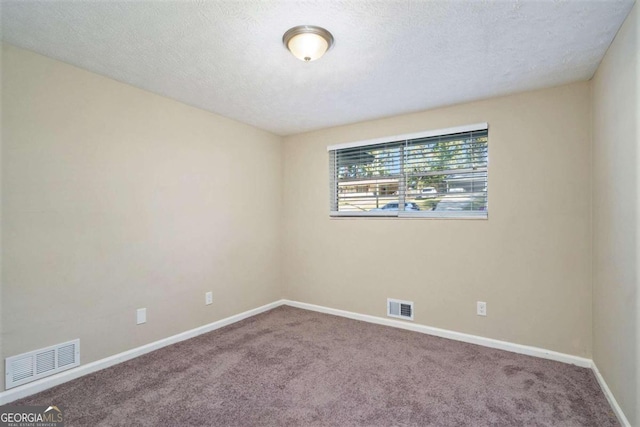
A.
pixel 307 42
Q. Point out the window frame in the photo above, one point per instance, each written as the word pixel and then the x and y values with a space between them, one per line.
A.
pixel 334 182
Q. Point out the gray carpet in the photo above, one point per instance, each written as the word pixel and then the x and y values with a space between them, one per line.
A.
pixel 300 368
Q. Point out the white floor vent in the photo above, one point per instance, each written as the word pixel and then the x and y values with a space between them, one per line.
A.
pixel 400 309
pixel 31 366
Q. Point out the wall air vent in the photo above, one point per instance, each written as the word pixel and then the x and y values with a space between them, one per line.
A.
pixel 31 366
pixel 400 309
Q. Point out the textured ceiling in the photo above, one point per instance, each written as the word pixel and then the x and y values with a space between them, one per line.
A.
pixel 390 57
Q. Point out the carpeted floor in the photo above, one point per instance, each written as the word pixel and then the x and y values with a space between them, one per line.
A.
pixel 300 368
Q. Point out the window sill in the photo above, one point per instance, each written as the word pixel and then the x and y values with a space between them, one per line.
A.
pixel 409 215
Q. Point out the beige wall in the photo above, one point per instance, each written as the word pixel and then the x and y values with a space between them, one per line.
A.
pixel 1 202
pixel 616 194
pixel 115 199
pixel 530 261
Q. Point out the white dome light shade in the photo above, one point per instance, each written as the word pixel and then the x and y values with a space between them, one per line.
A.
pixel 307 42
pixel 308 47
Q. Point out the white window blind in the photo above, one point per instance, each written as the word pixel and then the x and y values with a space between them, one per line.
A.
pixel 435 174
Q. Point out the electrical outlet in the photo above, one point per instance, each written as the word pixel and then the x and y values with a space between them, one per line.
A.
pixel 482 308
pixel 141 316
pixel 208 298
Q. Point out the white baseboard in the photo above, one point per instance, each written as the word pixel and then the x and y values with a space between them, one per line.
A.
pixel 54 380
pixel 452 335
pixel 609 395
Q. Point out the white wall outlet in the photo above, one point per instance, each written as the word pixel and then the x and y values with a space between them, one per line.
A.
pixel 141 316
pixel 208 298
pixel 482 308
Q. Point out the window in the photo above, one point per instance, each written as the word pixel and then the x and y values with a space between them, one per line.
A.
pixel 435 174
